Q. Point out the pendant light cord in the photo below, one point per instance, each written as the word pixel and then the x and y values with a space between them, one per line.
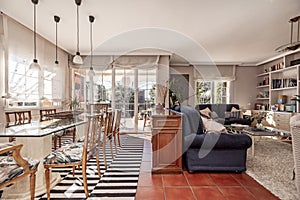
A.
pixel 91 40
pixel 56 41
pixel 34 30
pixel 77 28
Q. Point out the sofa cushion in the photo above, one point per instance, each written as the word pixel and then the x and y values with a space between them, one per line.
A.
pixel 221 141
pixel 212 126
pixel 205 112
pixel 201 128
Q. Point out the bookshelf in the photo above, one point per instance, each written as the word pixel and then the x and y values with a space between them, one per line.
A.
pixel 276 78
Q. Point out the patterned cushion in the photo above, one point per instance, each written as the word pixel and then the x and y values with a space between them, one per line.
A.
pixel 9 169
pixel 68 154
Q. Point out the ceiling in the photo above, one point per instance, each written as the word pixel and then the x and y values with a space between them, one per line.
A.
pixel 232 31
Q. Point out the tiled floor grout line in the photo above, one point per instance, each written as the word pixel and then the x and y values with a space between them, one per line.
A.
pixel 187 180
pixel 243 186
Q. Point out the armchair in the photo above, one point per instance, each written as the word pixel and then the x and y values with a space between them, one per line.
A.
pixel 13 167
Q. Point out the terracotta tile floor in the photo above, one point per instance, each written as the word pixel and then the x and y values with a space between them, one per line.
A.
pixel 214 186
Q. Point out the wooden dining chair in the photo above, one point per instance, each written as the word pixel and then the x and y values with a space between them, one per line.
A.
pixel 116 130
pixel 56 137
pixel 14 118
pixel 98 107
pixel 45 112
pixel 78 153
pixel 17 117
pixel 14 167
pixel 107 132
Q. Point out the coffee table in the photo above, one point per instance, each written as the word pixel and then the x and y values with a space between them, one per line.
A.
pixel 236 128
pixel 254 132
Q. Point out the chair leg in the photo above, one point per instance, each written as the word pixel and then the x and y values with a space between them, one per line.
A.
pixel 118 134
pixel 59 141
pixel 84 179
pixel 54 142
pixel 98 163
pixel 74 134
pixel 115 143
pixel 47 177
pixel 104 152
pixel 32 185
pixel 73 170
pixel 111 149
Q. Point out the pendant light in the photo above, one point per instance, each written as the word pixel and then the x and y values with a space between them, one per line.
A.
pixel 292 46
pixel 77 58
pixel 34 65
pixel 91 71
pixel 56 20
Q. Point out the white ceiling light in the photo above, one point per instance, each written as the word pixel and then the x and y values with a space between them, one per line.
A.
pixel 292 45
pixel 77 58
pixel 34 65
pixel 91 71
pixel 56 20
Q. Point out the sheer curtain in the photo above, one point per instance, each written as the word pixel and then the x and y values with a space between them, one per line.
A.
pixel 31 88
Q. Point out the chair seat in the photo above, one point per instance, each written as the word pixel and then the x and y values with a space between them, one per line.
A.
pixel 68 154
pixel 9 168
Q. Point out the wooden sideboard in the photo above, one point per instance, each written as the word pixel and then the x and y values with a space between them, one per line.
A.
pixel 278 120
pixel 166 142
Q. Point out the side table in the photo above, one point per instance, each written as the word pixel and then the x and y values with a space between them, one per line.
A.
pixel 254 132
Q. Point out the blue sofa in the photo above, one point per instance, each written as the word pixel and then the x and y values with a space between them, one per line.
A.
pixel 221 109
pixel 211 151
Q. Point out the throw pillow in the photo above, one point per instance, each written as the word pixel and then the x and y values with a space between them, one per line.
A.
pixel 233 109
pixel 235 114
pixel 205 112
pixel 201 129
pixel 214 115
pixel 212 126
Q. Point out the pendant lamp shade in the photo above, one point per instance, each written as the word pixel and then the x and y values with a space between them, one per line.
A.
pixel 293 45
pixel 56 20
pixel 91 71
pixel 77 58
pixel 34 65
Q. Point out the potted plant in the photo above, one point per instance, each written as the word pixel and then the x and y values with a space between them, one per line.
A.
pixel 74 104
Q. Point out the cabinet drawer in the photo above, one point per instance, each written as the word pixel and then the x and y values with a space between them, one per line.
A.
pixel 166 123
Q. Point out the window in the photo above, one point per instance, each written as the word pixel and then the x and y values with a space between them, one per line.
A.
pixel 212 92
pixel 22 83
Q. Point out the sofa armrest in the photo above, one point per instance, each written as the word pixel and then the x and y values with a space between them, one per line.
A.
pixel 221 141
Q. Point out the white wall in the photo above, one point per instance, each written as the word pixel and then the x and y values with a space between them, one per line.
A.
pixel 243 89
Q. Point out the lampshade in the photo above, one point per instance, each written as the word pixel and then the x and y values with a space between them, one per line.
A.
pixel 292 45
pixel 91 72
pixel 56 20
pixel 77 58
pixel 34 65
pixel 91 19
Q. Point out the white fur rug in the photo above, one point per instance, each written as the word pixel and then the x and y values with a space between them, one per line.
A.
pixel 272 166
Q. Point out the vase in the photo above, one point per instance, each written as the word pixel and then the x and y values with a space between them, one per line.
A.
pixel 259 125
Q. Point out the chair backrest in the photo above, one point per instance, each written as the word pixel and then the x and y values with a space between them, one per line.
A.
pixel 117 123
pixel 92 136
pixel 98 107
pixel 17 117
pixel 46 112
pixel 108 123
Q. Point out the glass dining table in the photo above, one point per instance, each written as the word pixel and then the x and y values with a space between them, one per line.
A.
pixel 36 138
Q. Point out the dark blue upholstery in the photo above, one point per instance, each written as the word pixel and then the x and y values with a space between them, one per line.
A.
pixel 211 151
pixel 220 109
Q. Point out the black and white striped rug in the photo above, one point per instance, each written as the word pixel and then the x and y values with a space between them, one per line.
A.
pixel 118 181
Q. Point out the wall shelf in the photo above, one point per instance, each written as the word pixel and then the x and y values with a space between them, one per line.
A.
pixel 263 86
pixel 281 74
pixel 286 88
